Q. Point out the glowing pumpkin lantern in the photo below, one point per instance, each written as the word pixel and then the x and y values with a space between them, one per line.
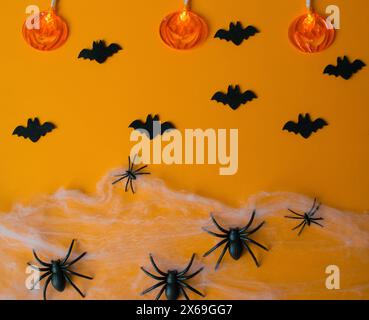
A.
pixel 310 32
pixel 184 29
pixel 51 33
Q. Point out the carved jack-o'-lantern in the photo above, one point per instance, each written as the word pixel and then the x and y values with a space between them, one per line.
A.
pixel 183 29
pixel 51 34
pixel 311 32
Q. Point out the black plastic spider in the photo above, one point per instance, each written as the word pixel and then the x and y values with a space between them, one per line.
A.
pixel 236 240
pixel 58 272
pixel 307 218
pixel 173 282
pixel 130 174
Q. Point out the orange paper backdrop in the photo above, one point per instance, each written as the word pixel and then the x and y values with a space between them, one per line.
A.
pixel 93 104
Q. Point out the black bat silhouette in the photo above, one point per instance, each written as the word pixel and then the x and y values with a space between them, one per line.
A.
pixel 344 68
pixel 148 126
pixel 236 33
pixel 34 130
pixel 234 97
pixel 305 126
pixel 100 52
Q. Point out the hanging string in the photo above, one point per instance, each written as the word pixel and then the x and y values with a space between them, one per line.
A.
pixel 308 4
pixel 53 3
pixel 186 3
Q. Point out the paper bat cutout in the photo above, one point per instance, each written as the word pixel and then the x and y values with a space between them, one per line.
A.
pixel 148 126
pixel 344 68
pixel 34 130
pixel 234 97
pixel 236 33
pixel 100 52
pixel 305 126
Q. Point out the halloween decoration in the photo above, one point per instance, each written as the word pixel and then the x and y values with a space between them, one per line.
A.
pixel 344 68
pixel 34 130
pixel 235 240
pixel 184 29
pixel 172 282
pixel 58 272
pixel 148 127
pixel 130 174
pixel 236 33
pixel 100 52
pixel 51 32
pixel 311 32
pixel 305 126
pixel 234 97
pixel 307 218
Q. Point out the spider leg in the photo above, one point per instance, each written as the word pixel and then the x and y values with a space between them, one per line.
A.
pixel 255 243
pixel 46 285
pixel 215 247
pixel 218 225
pixel 121 175
pixel 160 292
pixel 251 253
pixel 73 285
pixel 249 223
pixel 138 170
pixel 152 275
pixel 221 256
pixel 316 210
pixel 312 208
pixel 183 284
pixel 129 179
pixel 316 219
pixel 75 260
pixel 141 173
pixel 129 162
pixel 40 261
pixel 156 267
pixel 184 292
pixel 185 270
pixel 133 163
pixel 191 275
pixel 79 275
pixel 317 223
pixel 153 288
pixel 131 184
pixel 296 218
pixel 37 268
pixel 40 278
pixel 256 229
pixel 68 253
pixel 302 229
pixel 298 214
pixel 215 234
pixel 120 179
pixel 298 226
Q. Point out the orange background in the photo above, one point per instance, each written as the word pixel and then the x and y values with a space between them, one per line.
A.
pixel 93 104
